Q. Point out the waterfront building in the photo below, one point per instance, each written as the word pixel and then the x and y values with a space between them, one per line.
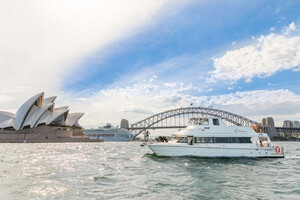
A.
pixel 38 120
pixel 124 124
pixel 291 124
pixel 268 126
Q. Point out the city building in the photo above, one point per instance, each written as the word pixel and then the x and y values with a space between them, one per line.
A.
pixel 268 126
pixel 124 124
pixel 291 124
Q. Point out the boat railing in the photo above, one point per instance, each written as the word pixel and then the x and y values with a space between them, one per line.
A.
pixel 282 150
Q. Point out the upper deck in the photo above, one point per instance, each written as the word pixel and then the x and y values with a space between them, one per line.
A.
pixel 210 126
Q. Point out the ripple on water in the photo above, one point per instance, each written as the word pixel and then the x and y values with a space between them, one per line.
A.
pixel 129 171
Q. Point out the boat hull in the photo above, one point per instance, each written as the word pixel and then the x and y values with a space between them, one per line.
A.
pixel 205 151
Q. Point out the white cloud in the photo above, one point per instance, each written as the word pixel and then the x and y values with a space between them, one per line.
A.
pixel 279 104
pixel 290 29
pixel 134 102
pixel 143 99
pixel 43 41
pixel 292 26
pixel 137 110
pixel 6 99
pixel 264 58
pixel 251 99
pixel 170 85
pixel 152 78
pixel 140 100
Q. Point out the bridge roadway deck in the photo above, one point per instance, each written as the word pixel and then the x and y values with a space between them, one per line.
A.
pixel 288 128
pixel 156 127
pixel 178 127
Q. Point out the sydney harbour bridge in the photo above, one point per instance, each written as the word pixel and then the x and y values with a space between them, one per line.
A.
pixel 179 118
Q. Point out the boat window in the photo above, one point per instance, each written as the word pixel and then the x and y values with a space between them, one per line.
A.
pixel 182 140
pixel 235 140
pixel 191 122
pixel 222 140
pixel 209 139
pixel 196 121
pixel 263 139
pixel 199 139
pixel 200 121
pixel 190 140
pixel 205 121
pixel 195 140
pixel 204 140
pixel 245 140
pixel 263 142
pixel 216 122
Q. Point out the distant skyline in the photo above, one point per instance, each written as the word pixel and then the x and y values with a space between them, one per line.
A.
pixel 131 59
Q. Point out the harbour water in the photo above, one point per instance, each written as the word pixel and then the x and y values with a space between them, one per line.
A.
pixel 128 171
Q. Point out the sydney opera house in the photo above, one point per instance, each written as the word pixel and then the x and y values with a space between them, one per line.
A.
pixel 38 120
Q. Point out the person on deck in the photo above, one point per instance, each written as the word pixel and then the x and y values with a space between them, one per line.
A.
pixel 145 135
pixel 148 133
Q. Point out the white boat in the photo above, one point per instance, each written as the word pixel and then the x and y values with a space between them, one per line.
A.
pixel 109 133
pixel 211 137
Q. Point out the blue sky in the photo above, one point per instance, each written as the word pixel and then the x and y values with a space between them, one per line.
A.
pixel 203 29
pixel 131 59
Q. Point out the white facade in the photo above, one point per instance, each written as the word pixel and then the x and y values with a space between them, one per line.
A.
pixel 36 111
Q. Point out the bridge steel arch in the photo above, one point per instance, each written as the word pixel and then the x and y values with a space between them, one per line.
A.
pixel 154 119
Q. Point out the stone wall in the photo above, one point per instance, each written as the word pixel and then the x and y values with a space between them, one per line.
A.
pixel 44 134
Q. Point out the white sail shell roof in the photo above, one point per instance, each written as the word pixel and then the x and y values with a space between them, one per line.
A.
pixel 35 114
pixel 23 111
pixel 6 124
pixel 73 118
pixel 5 116
pixel 38 110
pixel 50 117
pixel 57 114
pixel 49 100
pixel 39 113
pixel 62 108
pixel 43 118
pixel 30 115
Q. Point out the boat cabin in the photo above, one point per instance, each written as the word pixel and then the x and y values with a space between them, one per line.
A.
pixel 213 130
pixel 205 121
